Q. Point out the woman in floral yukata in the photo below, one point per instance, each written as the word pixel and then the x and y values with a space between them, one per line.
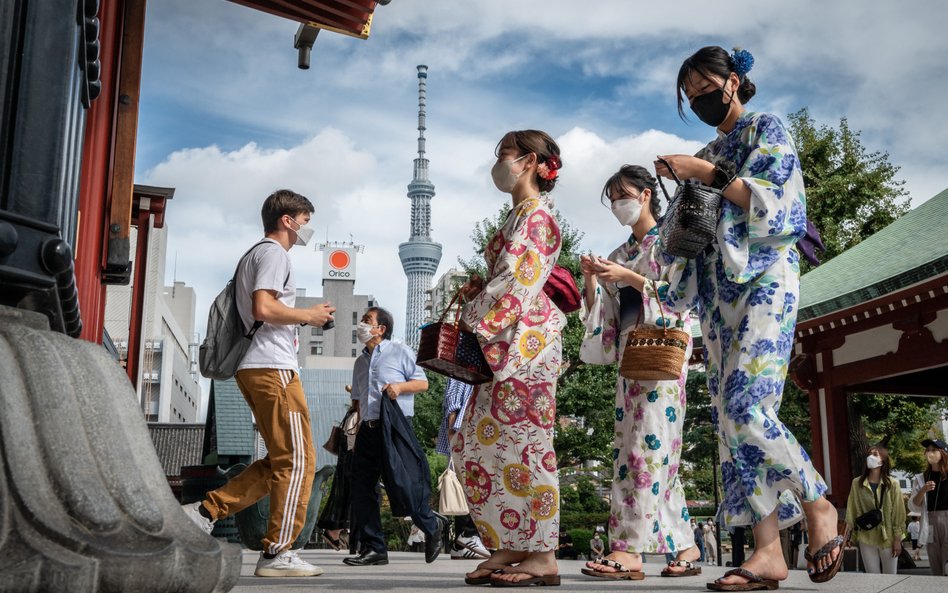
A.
pixel 745 287
pixel 505 447
pixel 649 514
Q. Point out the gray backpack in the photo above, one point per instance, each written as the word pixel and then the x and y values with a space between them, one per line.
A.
pixel 227 339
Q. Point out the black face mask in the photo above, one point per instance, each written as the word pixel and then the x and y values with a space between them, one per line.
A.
pixel 710 109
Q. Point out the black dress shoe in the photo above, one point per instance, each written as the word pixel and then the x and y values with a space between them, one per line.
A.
pixel 367 559
pixel 433 542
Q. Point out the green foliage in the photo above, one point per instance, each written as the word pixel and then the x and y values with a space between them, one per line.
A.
pixel 896 422
pixel 429 407
pixel 581 520
pixel 581 495
pixel 581 537
pixel 851 192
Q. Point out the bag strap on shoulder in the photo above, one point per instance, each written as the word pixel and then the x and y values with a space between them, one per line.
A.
pixel 256 323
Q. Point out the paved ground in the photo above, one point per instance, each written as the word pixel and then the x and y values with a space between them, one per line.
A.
pixel 407 572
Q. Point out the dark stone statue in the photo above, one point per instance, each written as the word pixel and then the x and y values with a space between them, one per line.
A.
pixel 84 504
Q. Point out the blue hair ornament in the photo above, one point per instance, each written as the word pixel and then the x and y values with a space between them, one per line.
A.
pixel 743 61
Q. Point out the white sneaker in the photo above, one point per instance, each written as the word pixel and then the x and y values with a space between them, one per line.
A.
pixel 468 547
pixel 286 564
pixel 191 510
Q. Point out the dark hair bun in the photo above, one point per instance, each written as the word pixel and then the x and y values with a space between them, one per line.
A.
pixel 747 90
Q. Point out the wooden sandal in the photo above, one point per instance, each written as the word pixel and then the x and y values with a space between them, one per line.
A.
pixel 840 542
pixel 621 573
pixel 484 580
pixel 551 580
pixel 689 566
pixel 754 582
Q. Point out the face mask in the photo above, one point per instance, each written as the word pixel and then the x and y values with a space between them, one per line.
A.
pixel 934 457
pixel 710 109
pixel 364 332
pixel 873 461
pixel 303 234
pixel 503 177
pixel 627 211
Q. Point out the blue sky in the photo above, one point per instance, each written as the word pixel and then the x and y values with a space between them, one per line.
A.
pixel 226 116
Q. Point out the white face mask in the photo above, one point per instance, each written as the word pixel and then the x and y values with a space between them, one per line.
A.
pixel 627 211
pixel 873 461
pixel 303 234
pixel 364 332
pixel 503 177
pixel 934 457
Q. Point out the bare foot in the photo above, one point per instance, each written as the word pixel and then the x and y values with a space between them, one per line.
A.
pixel 764 565
pixel 534 565
pixel 822 519
pixel 498 560
pixel 691 554
pixel 630 561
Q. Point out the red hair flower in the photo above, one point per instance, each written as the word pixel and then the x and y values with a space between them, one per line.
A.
pixel 548 169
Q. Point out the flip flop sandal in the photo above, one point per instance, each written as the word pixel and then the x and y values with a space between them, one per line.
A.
pixel 840 542
pixel 689 566
pixel 485 580
pixel 550 580
pixel 754 582
pixel 621 573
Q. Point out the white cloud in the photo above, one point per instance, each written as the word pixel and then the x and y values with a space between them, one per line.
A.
pixel 214 215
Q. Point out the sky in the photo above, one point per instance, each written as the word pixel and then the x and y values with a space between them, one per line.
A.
pixel 226 117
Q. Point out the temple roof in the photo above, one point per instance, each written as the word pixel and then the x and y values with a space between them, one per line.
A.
pixel 912 249
pixel 177 445
pixel 349 17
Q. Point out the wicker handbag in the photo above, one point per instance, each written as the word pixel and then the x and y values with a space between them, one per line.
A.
pixel 447 349
pixel 692 218
pixel 654 353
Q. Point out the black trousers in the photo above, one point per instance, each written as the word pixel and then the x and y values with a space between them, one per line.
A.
pixel 366 471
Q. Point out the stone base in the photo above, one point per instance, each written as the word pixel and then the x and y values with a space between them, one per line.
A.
pixel 84 504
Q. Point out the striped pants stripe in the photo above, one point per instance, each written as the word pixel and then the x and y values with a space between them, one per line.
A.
pixel 276 398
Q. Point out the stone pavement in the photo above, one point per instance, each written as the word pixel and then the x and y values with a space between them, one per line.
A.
pixel 407 572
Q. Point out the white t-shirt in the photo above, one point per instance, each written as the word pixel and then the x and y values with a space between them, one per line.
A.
pixel 913 529
pixel 267 268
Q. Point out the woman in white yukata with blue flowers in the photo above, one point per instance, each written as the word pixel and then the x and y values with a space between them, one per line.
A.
pixel 745 287
pixel 648 511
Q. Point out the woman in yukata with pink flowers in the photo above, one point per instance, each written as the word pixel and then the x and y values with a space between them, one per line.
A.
pixel 648 514
pixel 505 447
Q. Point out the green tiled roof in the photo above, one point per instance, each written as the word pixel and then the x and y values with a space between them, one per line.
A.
pixel 910 250
pixel 233 420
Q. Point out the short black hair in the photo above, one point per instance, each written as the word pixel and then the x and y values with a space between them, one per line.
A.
pixel 383 317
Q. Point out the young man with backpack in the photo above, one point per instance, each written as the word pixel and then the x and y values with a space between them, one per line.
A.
pixel 268 377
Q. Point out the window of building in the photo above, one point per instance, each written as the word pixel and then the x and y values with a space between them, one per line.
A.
pixel 355 318
pixel 355 340
pixel 317 331
pixel 353 353
pixel 316 350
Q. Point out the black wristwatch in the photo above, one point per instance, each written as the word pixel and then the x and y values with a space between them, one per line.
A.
pixel 722 178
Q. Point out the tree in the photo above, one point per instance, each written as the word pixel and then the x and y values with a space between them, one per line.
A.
pixel 851 193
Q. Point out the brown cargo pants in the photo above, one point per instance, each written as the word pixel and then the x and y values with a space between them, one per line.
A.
pixel 276 398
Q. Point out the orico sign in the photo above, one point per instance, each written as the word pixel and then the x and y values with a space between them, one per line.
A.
pixel 340 264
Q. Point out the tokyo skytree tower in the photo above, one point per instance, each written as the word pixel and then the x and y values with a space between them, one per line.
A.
pixel 420 255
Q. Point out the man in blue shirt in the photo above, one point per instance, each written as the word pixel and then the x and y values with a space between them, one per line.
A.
pixel 385 369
